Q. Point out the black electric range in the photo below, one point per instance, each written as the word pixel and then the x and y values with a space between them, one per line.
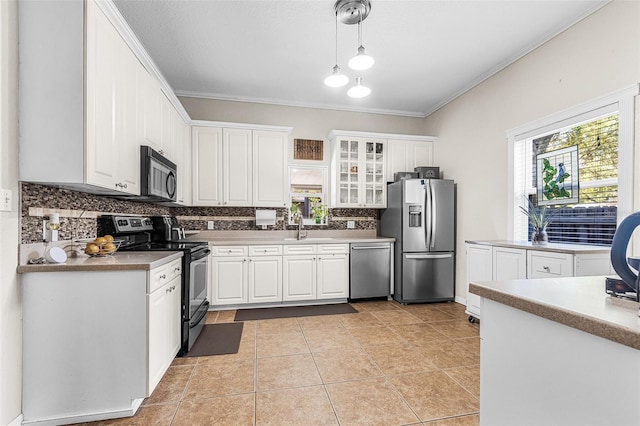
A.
pixel 147 234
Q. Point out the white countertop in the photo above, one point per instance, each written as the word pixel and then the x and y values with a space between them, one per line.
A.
pixel 224 238
pixel 552 247
pixel 578 302
pixel 119 261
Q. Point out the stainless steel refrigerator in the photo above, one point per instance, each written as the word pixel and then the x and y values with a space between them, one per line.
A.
pixel 420 215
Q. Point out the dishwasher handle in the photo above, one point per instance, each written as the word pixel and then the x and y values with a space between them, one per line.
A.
pixel 371 248
pixel 428 256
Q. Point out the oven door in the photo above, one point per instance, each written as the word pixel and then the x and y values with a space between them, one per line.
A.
pixel 198 281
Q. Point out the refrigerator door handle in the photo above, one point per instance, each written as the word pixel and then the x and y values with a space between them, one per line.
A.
pixel 429 256
pixel 427 215
pixel 434 216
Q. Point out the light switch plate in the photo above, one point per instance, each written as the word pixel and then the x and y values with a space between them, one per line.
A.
pixel 351 224
pixel 209 224
pixel 5 200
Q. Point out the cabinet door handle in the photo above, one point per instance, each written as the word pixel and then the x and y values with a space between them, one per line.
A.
pixel 546 268
pixel 162 277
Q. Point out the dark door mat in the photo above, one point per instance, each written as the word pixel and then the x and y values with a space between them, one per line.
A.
pixel 293 311
pixel 217 339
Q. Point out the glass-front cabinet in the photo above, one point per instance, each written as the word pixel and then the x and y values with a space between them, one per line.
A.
pixel 358 171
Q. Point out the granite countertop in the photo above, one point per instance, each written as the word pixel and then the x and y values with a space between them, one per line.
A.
pixel 229 238
pixel 552 247
pixel 578 302
pixel 117 262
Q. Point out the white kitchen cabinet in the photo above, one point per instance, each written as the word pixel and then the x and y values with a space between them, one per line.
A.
pixel 167 142
pixel 358 171
pixel 498 261
pixel 206 154
pixel 96 343
pixel 164 307
pixel 479 268
pixel 316 272
pixel 149 115
pixel 239 167
pixel 229 283
pixel 265 274
pixel 509 263
pixel 549 265
pixel 183 159
pixel 112 153
pixel 333 276
pixel 299 277
pixel 405 155
pixel 270 174
pixel 78 117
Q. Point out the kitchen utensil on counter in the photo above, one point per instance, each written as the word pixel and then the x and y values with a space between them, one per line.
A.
pixel 55 255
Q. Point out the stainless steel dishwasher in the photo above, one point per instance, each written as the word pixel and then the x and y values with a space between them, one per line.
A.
pixel 370 271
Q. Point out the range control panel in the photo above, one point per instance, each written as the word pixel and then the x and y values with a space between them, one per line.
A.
pixel 123 224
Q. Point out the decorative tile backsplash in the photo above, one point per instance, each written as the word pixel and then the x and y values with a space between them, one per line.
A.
pixel 78 213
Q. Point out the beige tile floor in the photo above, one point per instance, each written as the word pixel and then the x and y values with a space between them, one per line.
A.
pixel 389 364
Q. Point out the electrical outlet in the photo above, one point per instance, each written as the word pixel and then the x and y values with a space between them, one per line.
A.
pixel 209 224
pixel 351 224
pixel 5 200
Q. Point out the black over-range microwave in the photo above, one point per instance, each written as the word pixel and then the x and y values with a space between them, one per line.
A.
pixel 158 176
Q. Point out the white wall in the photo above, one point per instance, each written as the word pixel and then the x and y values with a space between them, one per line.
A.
pixel 307 123
pixel 597 56
pixel 10 303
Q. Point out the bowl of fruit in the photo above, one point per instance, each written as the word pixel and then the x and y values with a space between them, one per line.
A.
pixel 102 246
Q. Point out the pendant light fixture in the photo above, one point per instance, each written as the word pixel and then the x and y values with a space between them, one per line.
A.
pixel 336 79
pixel 359 90
pixel 361 61
pixel 351 12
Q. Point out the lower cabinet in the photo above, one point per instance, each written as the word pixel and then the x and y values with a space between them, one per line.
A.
pixel 164 329
pixel 486 262
pixel 96 343
pixel 277 273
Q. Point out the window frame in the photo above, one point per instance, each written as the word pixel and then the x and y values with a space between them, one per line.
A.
pixel 622 102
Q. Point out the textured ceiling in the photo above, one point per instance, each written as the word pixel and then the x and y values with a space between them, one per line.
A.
pixel 427 52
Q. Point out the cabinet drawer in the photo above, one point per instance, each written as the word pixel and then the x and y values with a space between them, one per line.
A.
pixel 300 249
pixel 265 250
pixel 229 251
pixel 549 265
pixel 333 248
pixel 163 274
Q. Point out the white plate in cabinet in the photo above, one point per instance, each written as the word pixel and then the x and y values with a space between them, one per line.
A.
pixel 548 264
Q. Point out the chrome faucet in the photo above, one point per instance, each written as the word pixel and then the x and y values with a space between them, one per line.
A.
pixel 301 232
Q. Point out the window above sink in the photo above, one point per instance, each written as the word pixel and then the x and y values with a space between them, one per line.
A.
pixel 308 195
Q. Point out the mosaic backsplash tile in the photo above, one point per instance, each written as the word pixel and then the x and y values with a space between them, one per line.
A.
pixel 79 211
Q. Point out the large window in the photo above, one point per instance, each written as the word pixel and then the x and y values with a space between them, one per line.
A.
pixel 579 164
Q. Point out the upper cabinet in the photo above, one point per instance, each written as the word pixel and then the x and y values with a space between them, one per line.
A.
pixel 404 155
pixel 239 166
pixel 86 102
pixel 358 171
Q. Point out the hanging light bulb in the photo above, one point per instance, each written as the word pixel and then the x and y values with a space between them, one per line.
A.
pixel 359 91
pixel 361 61
pixel 336 79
